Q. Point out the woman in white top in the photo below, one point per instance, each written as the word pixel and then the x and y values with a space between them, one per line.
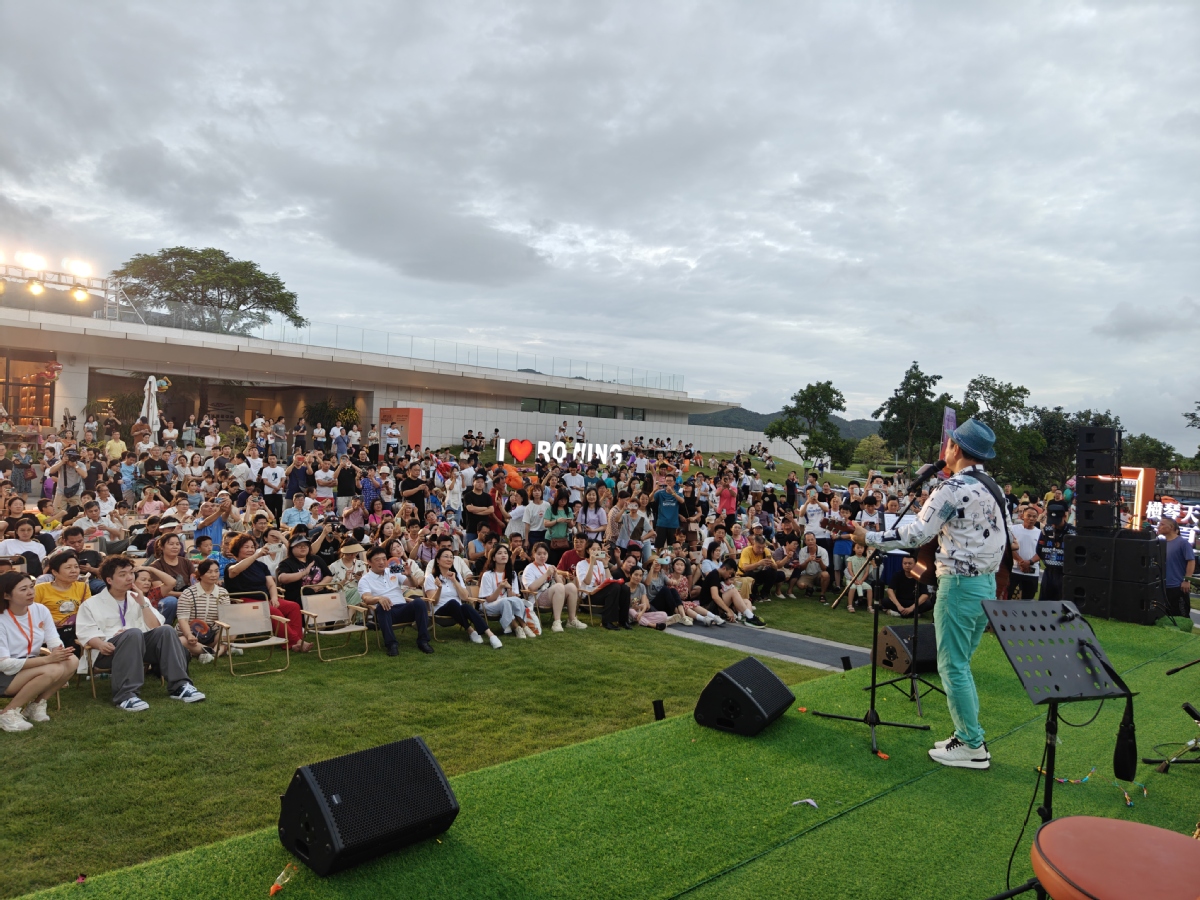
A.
pixel 499 594
pixel 592 517
pixel 535 517
pixel 318 434
pixel 26 676
pixel 449 595
pixel 516 513
pixel 22 541
pixel 454 495
pixel 550 589
pixel 594 581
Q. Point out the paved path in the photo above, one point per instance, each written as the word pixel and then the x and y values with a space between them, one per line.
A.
pixel 786 645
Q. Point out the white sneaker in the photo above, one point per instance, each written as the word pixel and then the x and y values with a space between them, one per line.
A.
pixel 575 623
pixel 495 641
pixel 557 626
pixel 36 711
pixel 519 631
pixel 12 720
pixel 893 613
pixel 133 704
pixel 187 693
pixel 941 745
pixel 717 620
pixel 204 658
pixel 685 620
pixel 529 632
pixel 959 755
pixel 475 638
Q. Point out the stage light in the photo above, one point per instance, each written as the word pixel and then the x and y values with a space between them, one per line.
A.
pixel 79 292
pixel 35 287
pixel 77 267
pixel 28 260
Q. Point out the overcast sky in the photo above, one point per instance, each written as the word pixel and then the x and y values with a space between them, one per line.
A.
pixel 755 195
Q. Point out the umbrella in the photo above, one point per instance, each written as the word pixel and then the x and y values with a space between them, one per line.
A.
pixel 150 407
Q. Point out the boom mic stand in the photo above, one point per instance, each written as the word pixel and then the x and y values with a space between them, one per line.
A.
pixel 871 719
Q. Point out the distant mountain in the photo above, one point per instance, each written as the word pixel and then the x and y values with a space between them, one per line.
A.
pixel 855 429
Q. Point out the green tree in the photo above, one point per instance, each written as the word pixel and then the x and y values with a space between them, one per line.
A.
pixel 1001 406
pixel 808 417
pixel 207 290
pixel 1055 462
pixel 1150 452
pixel 912 417
pixel 871 451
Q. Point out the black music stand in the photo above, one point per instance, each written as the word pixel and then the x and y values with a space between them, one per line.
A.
pixel 1054 652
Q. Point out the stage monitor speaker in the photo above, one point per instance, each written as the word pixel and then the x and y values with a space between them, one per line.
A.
pixel 1096 462
pixel 1096 515
pixel 1139 602
pixel 744 699
pixel 349 809
pixel 1088 555
pixel 1096 490
pixel 1089 438
pixel 1091 596
pixel 895 648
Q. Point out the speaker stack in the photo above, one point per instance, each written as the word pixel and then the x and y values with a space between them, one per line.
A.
pixel 1109 571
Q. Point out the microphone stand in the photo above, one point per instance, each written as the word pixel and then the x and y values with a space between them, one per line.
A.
pixel 871 718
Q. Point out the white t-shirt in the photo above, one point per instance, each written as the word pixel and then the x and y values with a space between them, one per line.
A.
pixel 576 483
pixel 15 547
pixel 516 521
pixel 107 506
pixel 599 575
pixel 273 475
pixel 487 585
pixel 393 436
pixel 326 482
pixel 813 514
pixel 812 568
pixel 533 572
pixel 1027 539
pixel 448 594
pixel 21 636
pixel 535 515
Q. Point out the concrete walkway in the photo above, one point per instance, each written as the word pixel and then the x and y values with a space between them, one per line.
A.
pixel 786 645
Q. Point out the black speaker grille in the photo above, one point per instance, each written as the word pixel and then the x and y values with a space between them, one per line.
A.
pixel 383 789
pixel 761 683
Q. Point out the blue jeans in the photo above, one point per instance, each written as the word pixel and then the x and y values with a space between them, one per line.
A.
pixel 960 621
pixel 167 606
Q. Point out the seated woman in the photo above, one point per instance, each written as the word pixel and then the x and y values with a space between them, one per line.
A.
pixel 592 576
pixel 449 596
pixel 197 611
pixel 21 542
pixel 250 575
pixel 347 569
pixel 551 589
pixel 640 610
pixel 64 594
pixel 303 567
pixel 170 559
pixel 26 676
pixel 500 596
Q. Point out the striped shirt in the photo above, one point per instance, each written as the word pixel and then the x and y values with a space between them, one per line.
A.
pixel 194 603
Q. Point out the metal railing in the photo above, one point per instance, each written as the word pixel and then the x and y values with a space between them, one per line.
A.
pixel 350 337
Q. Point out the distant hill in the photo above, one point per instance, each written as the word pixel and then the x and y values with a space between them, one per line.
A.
pixel 855 429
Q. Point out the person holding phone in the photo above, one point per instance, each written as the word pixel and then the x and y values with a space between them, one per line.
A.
pixel 26 676
pixel 593 579
pixel 445 589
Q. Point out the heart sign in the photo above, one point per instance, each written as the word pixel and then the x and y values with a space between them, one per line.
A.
pixel 520 449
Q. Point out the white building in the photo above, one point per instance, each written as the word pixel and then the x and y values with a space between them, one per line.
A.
pixel 434 403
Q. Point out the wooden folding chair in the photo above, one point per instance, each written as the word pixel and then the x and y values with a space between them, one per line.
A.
pixel 247 626
pixel 94 670
pixel 327 613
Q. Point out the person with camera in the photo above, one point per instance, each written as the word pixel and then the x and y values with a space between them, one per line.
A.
pixel 69 474
pixel 593 578
pixel 127 633
pixel 248 574
pixel 382 589
pixel 27 676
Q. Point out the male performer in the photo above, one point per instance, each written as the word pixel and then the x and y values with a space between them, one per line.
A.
pixel 970 526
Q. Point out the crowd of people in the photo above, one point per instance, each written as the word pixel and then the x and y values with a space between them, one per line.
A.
pixel 128 555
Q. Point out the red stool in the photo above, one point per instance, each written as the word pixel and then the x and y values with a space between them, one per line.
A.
pixel 1088 858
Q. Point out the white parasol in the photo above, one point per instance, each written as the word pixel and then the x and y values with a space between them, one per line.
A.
pixel 150 407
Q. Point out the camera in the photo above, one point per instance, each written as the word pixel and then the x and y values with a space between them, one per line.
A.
pixel 73 454
pixel 394 568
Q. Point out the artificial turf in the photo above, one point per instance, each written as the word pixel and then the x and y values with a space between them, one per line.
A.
pixel 669 808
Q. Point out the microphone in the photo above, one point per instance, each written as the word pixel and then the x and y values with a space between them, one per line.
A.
pixel 926 472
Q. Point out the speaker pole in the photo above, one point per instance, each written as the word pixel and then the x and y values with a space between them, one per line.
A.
pixel 914 693
pixel 871 719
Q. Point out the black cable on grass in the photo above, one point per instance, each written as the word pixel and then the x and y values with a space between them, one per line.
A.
pixel 1032 800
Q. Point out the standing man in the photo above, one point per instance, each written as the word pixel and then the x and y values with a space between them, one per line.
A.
pixel 273 475
pixel 1051 548
pixel 1181 563
pixel 1026 563
pixel 966 513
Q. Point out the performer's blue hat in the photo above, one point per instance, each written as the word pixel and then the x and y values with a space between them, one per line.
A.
pixel 976 439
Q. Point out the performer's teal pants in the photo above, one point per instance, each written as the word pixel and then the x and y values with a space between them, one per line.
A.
pixel 960 621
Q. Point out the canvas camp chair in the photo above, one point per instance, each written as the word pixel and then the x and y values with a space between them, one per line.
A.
pixel 247 627
pixel 326 613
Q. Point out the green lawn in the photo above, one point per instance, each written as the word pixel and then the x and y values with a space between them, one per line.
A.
pixel 97 789
pixel 668 807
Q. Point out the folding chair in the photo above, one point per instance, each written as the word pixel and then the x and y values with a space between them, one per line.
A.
pixel 327 613
pixel 92 659
pixel 247 626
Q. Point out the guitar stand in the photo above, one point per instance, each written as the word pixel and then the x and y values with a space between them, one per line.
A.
pixel 914 693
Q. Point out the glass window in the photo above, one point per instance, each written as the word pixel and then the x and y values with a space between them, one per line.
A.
pixel 606 412
pixel 587 409
pixel 549 406
pixel 530 405
pixel 638 415
pixel 568 409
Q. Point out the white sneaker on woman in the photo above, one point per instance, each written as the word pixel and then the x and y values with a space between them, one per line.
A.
pixel 518 631
pixel 36 711
pixel 12 720
pixel 476 638
pixel 557 626
pixel 495 641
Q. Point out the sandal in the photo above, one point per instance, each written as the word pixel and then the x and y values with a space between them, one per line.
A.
pixel 850 608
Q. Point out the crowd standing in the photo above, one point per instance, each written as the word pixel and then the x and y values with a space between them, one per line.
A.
pixel 130 548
